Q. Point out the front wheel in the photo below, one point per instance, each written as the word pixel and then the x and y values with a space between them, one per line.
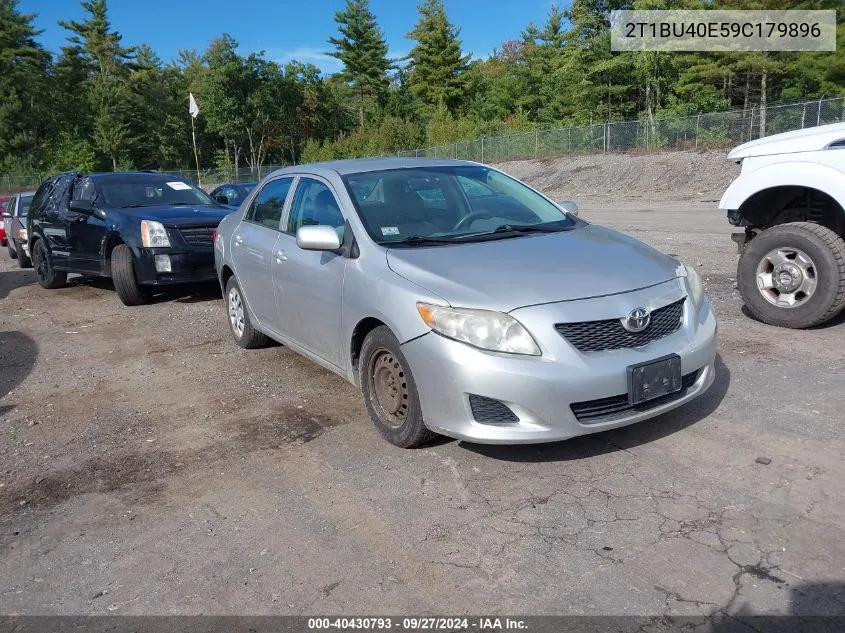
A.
pixel 48 277
pixel 793 275
pixel 13 252
pixel 123 276
pixel 240 324
pixel 390 393
pixel 23 259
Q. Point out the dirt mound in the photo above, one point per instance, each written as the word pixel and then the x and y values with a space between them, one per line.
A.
pixel 666 176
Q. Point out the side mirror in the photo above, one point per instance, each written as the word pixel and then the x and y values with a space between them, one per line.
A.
pixel 317 238
pixel 86 207
pixel 568 206
pixel 6 214
pixel 221 199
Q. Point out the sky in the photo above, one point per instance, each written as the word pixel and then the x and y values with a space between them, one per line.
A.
pixel 284 29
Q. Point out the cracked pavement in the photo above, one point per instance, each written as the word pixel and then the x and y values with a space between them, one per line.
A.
pixel 150 466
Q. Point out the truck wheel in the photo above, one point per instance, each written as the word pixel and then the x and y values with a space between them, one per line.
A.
pixel 123 276
pixel 390 393
pixel 48 277
pixel 793 275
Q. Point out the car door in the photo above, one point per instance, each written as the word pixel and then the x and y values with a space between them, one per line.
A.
pixel 85 232
pixel 54 220
pixel 252 246
pixel 308 285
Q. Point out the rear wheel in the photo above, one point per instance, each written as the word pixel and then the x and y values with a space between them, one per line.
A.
pixel 390 393
pixel 47 276
pixel 23 259
pixel 123 275
pixel 793 275
pixel 240 325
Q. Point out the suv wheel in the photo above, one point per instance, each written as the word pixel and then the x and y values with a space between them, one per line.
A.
pixel 793 275
pixel 240 325
pixel 123 275
pixel 390 393
pixel 47 276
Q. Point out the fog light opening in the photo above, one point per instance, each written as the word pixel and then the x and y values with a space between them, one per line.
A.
pixel 163 264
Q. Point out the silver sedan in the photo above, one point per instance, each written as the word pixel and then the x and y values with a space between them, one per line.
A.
pixel 462 302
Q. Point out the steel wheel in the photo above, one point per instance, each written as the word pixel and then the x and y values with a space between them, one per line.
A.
pixel 236 312
pixel 786 277
pixel 389 388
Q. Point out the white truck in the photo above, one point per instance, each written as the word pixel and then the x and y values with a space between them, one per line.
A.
pixel 790 199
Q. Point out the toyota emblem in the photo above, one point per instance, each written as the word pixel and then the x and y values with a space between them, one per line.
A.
pixel 637 320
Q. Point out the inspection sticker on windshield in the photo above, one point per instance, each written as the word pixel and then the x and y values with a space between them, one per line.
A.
pixel 178 185
pixel 389 230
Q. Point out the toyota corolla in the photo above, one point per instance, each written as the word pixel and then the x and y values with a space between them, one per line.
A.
pixel 462 302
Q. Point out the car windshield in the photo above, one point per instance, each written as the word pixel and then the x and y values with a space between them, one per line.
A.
pixel 23 207
pixel 127 194
pixel 420 206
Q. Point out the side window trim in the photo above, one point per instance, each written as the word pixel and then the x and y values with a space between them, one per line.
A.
pixel 251 209
pixel 292 197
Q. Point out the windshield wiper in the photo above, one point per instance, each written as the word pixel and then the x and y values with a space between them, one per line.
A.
pixel 133 206
pixel 505 229
pixel 415 240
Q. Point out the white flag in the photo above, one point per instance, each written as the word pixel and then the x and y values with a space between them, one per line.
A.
pixel 193 108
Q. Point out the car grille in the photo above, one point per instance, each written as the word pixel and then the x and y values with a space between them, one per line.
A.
pixel 607 409
pixel 490 411
pixel 599 336
pixel 197 235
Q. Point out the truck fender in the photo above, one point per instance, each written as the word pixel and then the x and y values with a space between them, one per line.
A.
pixel 794 173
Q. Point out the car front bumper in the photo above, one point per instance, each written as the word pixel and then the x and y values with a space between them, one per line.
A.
pixel 539 391
pixel 194 265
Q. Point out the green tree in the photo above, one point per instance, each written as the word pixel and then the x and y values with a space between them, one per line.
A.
pixel 436 71
pixel 363 51
pixel 108 67
pixel 23 64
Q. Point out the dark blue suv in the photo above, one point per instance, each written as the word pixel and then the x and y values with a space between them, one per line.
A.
pixel 142 229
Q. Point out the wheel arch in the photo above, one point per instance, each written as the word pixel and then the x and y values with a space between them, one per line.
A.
pixel 110 242
pixel 359 333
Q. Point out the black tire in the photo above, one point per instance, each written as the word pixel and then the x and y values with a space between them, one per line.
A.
pixel 13 251
pixel 827 252
pixel 48 277
pixel 400 422
pixel 23 259
pixel 123 275
pixel 248 337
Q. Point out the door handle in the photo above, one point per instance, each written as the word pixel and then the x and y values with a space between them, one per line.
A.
pixel 280 257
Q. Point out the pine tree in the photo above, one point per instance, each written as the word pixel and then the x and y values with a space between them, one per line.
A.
pixel 363 51
pixel 108 67
pixel 437 64
pixel 22 66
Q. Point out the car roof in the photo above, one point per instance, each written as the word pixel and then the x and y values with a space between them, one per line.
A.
pixel 131 176
pixel 359 165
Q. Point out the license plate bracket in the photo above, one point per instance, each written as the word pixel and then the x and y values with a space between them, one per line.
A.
pixel 654 379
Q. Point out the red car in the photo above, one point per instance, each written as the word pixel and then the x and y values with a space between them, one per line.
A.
pixel 4 201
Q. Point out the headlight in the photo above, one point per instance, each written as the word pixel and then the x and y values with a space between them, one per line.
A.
pixel 694 285
pixel 153 234
pixel 23 236
pixel 485 329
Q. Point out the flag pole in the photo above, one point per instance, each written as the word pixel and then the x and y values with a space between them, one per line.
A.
pixel 196 156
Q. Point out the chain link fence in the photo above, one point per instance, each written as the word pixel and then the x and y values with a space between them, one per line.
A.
pixel 703 131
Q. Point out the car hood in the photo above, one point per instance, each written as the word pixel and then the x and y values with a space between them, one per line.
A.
pixel 507 274
pixel 810 139
pixel 179 216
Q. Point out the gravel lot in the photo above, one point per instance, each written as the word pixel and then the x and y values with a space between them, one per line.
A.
pixel 148 465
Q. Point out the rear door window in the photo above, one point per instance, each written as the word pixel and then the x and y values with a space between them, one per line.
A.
pixel 268 205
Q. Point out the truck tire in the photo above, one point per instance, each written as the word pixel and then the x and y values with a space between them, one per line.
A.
pixel 123 276
pixel 793 275
pixel 48 277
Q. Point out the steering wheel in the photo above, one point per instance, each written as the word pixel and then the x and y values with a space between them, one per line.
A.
pixel 469 218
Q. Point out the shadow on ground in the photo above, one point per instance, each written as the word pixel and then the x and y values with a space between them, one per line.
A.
pixel 183 293
pixel 618 439
pixel 12 279
pixel 17 360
